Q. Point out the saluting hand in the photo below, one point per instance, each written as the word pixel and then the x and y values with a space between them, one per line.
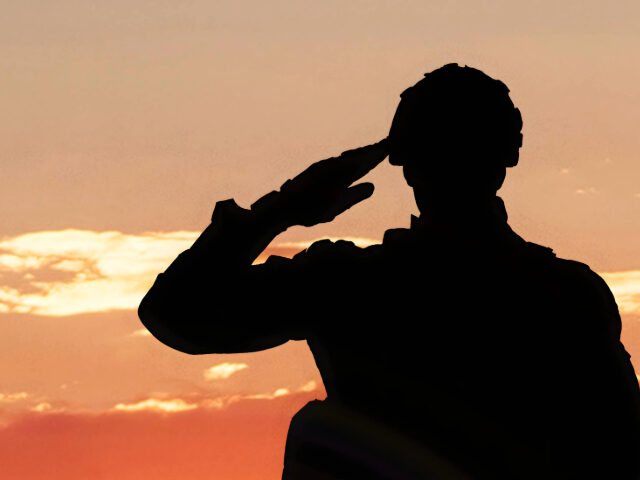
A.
pixel 323 191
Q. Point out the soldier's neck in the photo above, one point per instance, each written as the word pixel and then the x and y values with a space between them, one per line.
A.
pixel 463 217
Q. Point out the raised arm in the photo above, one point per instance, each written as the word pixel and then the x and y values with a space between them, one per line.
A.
pixel 212 299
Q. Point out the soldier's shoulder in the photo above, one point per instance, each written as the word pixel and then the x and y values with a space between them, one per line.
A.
pixel 580 273
pixel 589 287
pixel 538 251
pixel 593 281
pixel 568 271
pixel 573 274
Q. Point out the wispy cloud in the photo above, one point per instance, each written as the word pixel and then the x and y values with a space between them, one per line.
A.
pixel 170 406
pixel 16 403
pixel 161 402
pixel 70 271
pixel 42 407
pixel 309 386
pixel 625 287
pixel 587 191
pixel 12 397
pixel 151 440
pixel 67 272
pixel 280 392
pixel 223 370
pixel 141 332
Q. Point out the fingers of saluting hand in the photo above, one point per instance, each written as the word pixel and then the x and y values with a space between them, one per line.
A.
pixel 359 161
pixel 342 171
pixel 356 194
pixel 369 154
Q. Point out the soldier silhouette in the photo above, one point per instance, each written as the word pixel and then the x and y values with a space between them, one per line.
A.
pixel 454 349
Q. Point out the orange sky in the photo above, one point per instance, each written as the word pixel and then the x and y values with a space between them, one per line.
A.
pixel 124 121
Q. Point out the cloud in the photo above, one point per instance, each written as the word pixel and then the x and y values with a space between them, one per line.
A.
pixel 67 272
pixel 625 287
pixel 309 386
pixel 223 370
pixel 161 402
pixel 141 332
pixel 244 441
pixel 41 407
pixel 12 397
pixel 20 263
pixel 589 191
pixel 18 402
pixel 280 392
pixel 173 405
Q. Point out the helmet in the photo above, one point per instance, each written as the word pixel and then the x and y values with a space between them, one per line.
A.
pixel 456 114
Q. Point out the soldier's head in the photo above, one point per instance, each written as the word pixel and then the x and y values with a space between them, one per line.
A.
pixel 454 133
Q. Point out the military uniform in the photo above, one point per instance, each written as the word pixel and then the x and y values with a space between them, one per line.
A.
pixel 459 352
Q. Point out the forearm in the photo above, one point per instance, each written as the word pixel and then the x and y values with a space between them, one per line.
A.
pixel 193 305
pixel 236 236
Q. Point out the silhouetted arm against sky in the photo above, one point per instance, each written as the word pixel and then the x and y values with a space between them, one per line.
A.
pixel 212 299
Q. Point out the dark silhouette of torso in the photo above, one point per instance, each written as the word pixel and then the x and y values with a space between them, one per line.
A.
pixel 495 356
pixel 488 350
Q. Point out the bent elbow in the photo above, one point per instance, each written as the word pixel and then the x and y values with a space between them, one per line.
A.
pixel 161 323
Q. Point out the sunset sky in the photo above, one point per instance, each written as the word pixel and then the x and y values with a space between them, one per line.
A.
pixel 123 122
